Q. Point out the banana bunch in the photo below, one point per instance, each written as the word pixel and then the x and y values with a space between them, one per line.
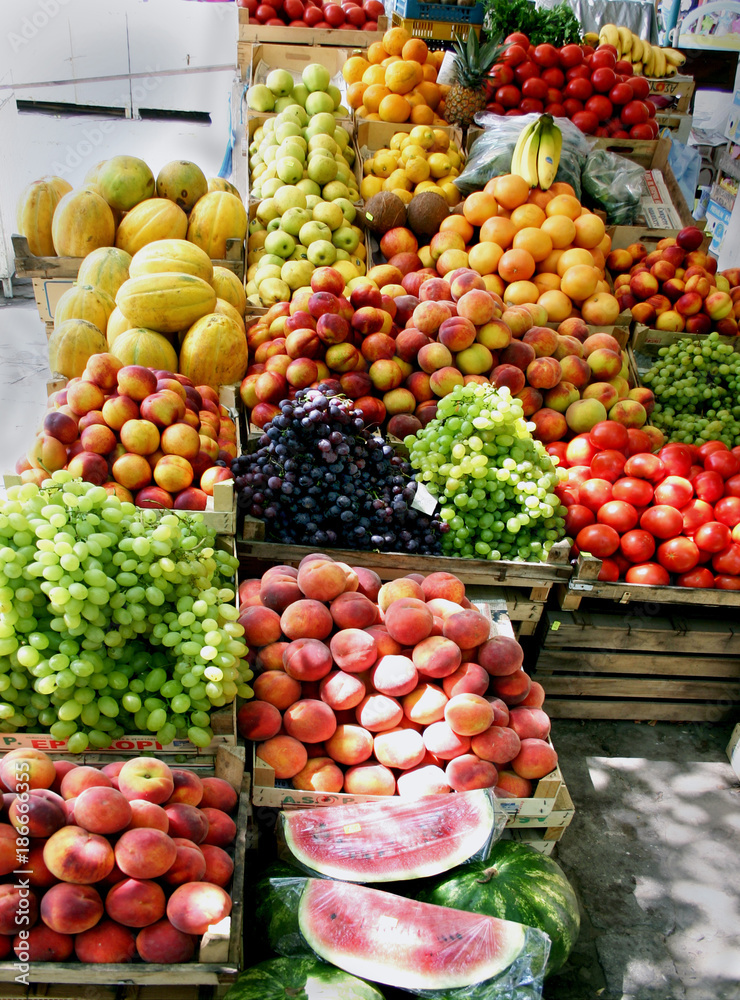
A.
pixel 537 153
pixel 647 59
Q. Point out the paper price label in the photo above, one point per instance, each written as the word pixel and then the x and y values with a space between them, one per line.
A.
pixel 353 828
pixel 423 500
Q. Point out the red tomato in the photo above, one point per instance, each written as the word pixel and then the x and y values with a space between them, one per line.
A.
pixel 517 38
pixel 580 451
pixel 600 106
pixel 642 131
pixel 638 492
pixel 640 86
pixel 556 110
pixel 557 449
pixel 566 497
pixel 530 106
pixel 723 462
pixel 578 517
pixel 334 14
pixel 554 78
pixel 594 493
pixel 634 113
pixel 709 486
pixel 696 513
pixel 662 521
pixel 727 582
pixel 514 55
pixel 312 16
pixel 728 561
pixel 554 96
pixel 586 121
pixel 501 74
pixel 578 88
pixel 650 573
pixel 609 571
pixel 732 487
pixel 678 555
pixel 646 466
pixel 621 94
pixel 535 87
pixel 571 55
pixel 526 70
pixel 674 491
pixel 609 434
pixel 572 106
pixel 578 73
pixel 578 474
pixel 608 465
pixel 603 56
pixel 713 536
pixel 624 67
pixel 618 514
pixel 700 577
pixel 603 79
pixel 546 55
pixel 509 96
pixel 727 510
pixel 638 546
pixel 736 533
pixel 599 539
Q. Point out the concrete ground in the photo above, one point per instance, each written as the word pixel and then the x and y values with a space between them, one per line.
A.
pixel 652 850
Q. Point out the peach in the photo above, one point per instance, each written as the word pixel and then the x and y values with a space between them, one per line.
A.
pixel 18 908
pixel 542 339
pixel 443 585
pixel 189 866
pixel 467 772
pixel 188 786
pixel 307 660
pixel 353 610
pixel 80 778
pixel 341 690
pixel 530 723
pixel 37 816
pixel 321 580
pixel 394 676
pixel 408 620
pixel 501 655
pixel 561 396
pixel 369 583
pixel 441 740
pixel 583 414
pixel 261 626
pixel 277 688
pixel 401 748
pixel 436 656
pixel 518 354
pixel 161 943
pixel 468 628
pixel 218 794
pixel 145 778
pixel 535 759
pixel 320 774
pixel 511 786
pixel 353 650
pixel 470 678
pixel 309 721
pixel 28 769
pixel 145 853
pixel 378 712
pixel 279 590
pixel 135 902
pixel 74 855
pixel 442 608
pixel 42 944
pixel 307 619
pixel 396 589
pixel 194 907
pixel 499 744
pixel 535 698
pixel 369 779
pixel 102 810
pixel 39 876
pixel 512 686
pixel 468 714
pixel 568 347
pixel 258 720
pixel 628 412
pixel 425 779
pixel 186 821
pixel 219 866
pixel 285 755
pixel 71 909
pixel 271 657
pixel 575 370
pixel 106 942
pixel 350 744
pixel 62 767
pixel 147 814
pixel 425 704
pixel 456 333
pixel 603 392
pixel 544 373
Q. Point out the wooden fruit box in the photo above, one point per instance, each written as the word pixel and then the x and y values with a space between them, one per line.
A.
pixel 679 88
pixel 372 135
pixel 220 956
pixel 251 33
pixel 679 125
pixel 261 57
pixel 624 236
pixel 543 833
pixel 636 664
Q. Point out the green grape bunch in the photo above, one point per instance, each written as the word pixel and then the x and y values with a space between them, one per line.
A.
pixel 696 383
pixel 494 481
pixel 113 619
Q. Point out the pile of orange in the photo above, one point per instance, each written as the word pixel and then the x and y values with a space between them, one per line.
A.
pixel 396 81
pixel 536 246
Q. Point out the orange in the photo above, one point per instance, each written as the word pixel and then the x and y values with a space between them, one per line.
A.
pixel 416 100
pixel 579 282
pixel 605 245
pixel 362 111
pixel 400 77
pixel 478 207
pixel 535 241
pixel 416 49
pixel 394 108
pixel 457 224
pixel 490 185
pixel 564 204
pixel 422 114
pixel 484 257
pixel 538 197
pixel 572 257
pixel 430 92
pixel 511 190
pixel 550 264
pixel 373 74
pixel 599 259
pixel 430 73
pixel 354 68
pixel 590 231
pixel 557 304
pixel 560 229
pixel 494 284
pixel 394 40
pixel 561 187
pixel 519 292
pixel 546 282
pixel 376 53
pixel 503 213
pixel 355 93
pixel 374 95
pixel 516 265
pixel 498 230
pixel 528 215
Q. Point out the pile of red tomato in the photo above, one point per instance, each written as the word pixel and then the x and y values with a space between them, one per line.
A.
pixel 670 517
pixel 350 15
pixel 592 87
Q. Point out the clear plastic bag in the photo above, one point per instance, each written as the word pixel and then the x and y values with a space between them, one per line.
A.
pixel 392 839
pixel 432 951
pixel 615 185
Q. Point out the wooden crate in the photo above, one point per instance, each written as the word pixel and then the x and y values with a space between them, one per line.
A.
pixel 294 58
pixel 254 33
pixel 639 665
pixel 220 956
pixel 372 135
pixel 543 833
pixel 679 125
pixel 679 88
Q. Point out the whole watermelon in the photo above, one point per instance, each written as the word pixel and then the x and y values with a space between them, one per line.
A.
pixel 274 916
pixel 515 883
pixel 299 979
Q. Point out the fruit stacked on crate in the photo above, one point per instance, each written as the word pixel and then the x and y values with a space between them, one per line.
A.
pixel 676 285
pixel 315 93
pixel 129 861
pixel 424 159
pixel 347 16
pixel 385 689
pixel 658 519
pixel 149 437
pixel 120 203
pixel 124 629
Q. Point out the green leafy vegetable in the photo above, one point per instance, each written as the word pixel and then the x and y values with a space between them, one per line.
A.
pixel 558 26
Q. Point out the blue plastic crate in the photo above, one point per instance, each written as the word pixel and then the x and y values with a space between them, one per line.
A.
pixel 440 12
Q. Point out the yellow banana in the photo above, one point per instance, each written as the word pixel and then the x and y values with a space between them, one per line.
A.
pixel 637 69
pixel 611 35
pixel 670 69
pixel 529 156
pixel 517 158
pixel 660 63
pixel 591 38
pixel 674 57
pixel 625 40
pixel 636 50
pixel 548 153
pixel 649 63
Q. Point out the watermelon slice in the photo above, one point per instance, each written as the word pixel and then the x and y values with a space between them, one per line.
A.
pixel 401 942
pixel 393 839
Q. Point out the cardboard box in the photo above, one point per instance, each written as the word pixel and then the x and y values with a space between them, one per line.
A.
pixel 252 32
pixel 718 222
pixel 265 57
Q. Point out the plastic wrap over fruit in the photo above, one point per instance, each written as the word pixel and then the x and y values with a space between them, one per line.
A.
pixel 393 839
pixel 614 184
pixel 433 951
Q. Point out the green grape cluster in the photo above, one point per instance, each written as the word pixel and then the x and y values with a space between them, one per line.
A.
pixel 494 481
pixel 697 391
pixel 113 619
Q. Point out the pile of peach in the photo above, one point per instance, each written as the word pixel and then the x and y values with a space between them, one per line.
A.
pixel 387 689
pixel 123 862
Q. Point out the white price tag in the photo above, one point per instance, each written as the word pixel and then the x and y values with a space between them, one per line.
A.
pixel 424 501
pixel 446 73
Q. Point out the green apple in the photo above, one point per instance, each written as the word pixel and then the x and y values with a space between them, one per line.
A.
pixel 266 270
pixel 266 210
pixel 269 153
pixel 343 174
pixel 322 142
pixel 289 197
pixel 271 259
pixel 330 214
pixel 341 254
pixel 341 137
pixel 297 273
pixel 256 226
pixel 293 219
pixel 283 103
pixel 322 170
pixel 308 187
pixel 297 113
pixel 254 148
pixel 270 186
pixel 260 98
pixel 286 129
pixel 252 293
pixel 256 240
pixel 268 125
pixel 316 77
pixel 335 94
pixel 318 102
pixel 280 82
pixel 311 232
pixel 300 253
pixel 341 112
pixel 273 224
pixel 280 243
pixel 322 253
pixel 312 200
pixel 345 237
pixel 348 209
pixel 289 171
pixel 322 123
pixel 335 189
pixel 273 290
pixel 292 147
pixel 299 95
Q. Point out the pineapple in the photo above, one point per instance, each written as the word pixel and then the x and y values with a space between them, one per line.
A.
pixel 467 96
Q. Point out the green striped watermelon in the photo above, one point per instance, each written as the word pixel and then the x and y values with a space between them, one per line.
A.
pixel 516 883
pixel 275 918
pixel 299 979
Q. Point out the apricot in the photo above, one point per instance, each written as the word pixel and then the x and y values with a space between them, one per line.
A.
pixel 535 759
pixel 396 589
pixel 219 866
pixel 285 755
pixel 354 650
pixel 402 748
pixel 353 610
pixel 74 855
pixel 71 909
pixel 261 626
pixel 277 689
pixel 321 579
pixel 500 656
pixel 144 853
pixel 425 704
pixel 341 690
pixel 258 720
pixel 106 942
pixel 368 582
pixel 218 794
pixel 135 902
pixel 187 821
pixel 370 779
pixel 441 740
pixel 102 810
pixel 426 779
pixel 408 620
pixel 306 619
pixel 309 721
pixel 194 907
pixel 394 676
pixel 468 771
pixel 444 585
pixel 469 678
pixel 436 656
pixel 350 744
pixel 499 744
pixel 163 944
pixel 320 774
pixel 468 714
pixel 468 628
pixel 378 712
pixel 510 785
pixel 530 723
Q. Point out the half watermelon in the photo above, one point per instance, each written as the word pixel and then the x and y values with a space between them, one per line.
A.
pixel 415 946
pixel 394 839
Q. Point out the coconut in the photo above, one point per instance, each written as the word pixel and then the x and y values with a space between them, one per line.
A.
pixel 426 213
pixel 384 211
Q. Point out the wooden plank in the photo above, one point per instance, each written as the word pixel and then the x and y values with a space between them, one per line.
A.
pixel 662 711
pixel 611 662
pixel 578 685
pixel 578 630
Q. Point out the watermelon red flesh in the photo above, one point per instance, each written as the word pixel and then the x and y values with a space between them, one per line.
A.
pixel 391 840
pixel 401 942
